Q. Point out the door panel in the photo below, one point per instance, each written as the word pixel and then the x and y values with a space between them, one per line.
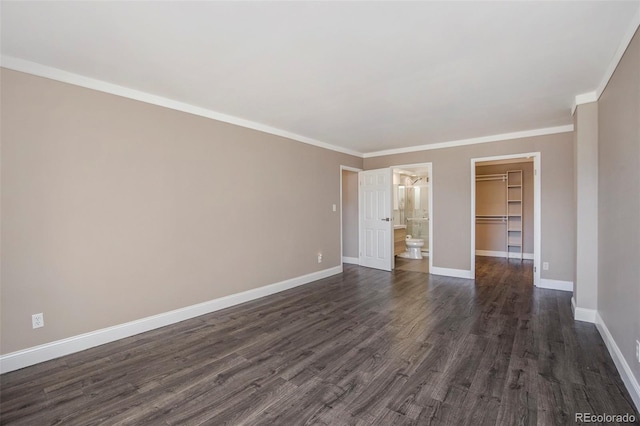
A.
pixel 376 225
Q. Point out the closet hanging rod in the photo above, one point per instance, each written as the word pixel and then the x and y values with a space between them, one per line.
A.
pixel 480 178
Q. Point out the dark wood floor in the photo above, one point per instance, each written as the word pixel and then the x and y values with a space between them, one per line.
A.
pixel 413 265
pixel 363 347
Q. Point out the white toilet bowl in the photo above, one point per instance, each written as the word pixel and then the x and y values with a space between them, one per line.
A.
pixel 414 246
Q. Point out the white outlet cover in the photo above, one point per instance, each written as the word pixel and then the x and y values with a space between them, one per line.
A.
pixel 37 320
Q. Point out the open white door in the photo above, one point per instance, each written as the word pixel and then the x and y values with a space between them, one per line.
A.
pixel 376 224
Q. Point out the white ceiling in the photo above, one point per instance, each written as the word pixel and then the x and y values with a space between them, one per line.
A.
pixel 365 76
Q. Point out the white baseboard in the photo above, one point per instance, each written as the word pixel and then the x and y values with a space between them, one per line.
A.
pixel 555 284
pixel 526 256
pixel 623 367
pixel 583 314
pixel 30 356
pixel 447 272
pixel 351 260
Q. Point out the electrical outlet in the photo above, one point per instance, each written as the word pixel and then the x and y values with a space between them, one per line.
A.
pixel 37 320
pixel 319 257
pixel 334 207
pixel 545 266
pixel 638 350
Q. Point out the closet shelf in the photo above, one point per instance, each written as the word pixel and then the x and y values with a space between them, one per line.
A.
pixel 504 195
pixel 514 202
pixel 501 177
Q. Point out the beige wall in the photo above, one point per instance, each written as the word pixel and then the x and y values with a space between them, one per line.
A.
pixel 114 210
pixel 452 198
pixel 586 196
pixel 492 236
pixel 350 214
pixel 619 204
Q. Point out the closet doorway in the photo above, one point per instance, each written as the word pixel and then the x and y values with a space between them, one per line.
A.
pixel 505 209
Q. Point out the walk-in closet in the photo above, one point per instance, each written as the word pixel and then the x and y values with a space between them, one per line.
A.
pixel 504 209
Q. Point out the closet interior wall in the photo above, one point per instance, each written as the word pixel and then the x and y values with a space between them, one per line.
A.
pixel 491 209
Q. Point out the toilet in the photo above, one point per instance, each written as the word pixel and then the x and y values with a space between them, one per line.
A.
pixel 414 246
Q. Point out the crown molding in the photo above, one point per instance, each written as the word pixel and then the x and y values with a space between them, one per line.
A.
pixel 593 96
pixel 624 44
pixel 584 98
pixel 52 73
pixel 473 141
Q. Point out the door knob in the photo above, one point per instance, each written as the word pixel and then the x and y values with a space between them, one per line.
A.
pixel 386 219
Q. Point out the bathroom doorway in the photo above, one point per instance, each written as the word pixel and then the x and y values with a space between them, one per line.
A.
pixel 505 209
pixel 413 217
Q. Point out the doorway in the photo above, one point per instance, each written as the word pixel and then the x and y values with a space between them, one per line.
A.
pixel 392 200
pixel 505 209
pixel 413 215
pixel 349 245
